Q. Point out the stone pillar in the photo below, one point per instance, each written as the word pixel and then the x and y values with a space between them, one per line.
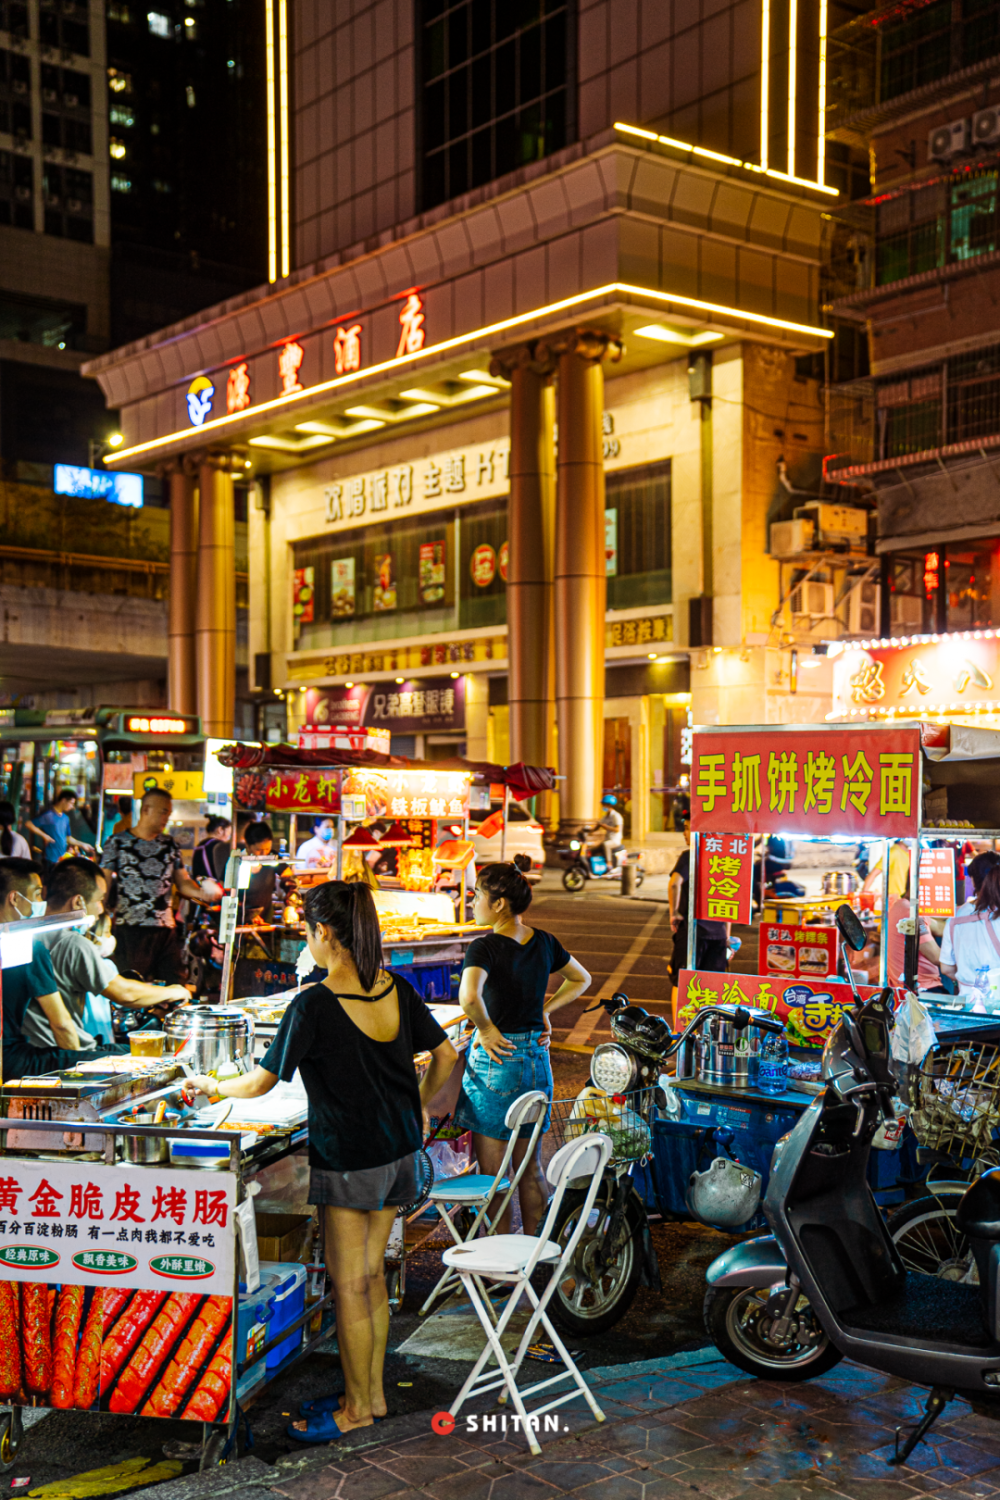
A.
pixel 580 582
pixel 477 716
pixel 531 529
pixel 182 677
pixel 216 612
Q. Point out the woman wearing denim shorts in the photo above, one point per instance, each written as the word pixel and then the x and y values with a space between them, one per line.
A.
pixel 504 979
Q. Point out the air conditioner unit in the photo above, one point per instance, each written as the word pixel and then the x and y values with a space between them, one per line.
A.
pixel 840 527
pixel 948 141
pixel 812 598
pixel 906 611
pixel 791 538
pixel 862 608
pixel 986 127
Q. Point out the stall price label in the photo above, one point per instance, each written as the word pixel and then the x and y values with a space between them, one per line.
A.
pixel 799 952
pixel 304 791
pixel 92 1225
pixel 831 781
pixel 724 891
pixel 810 1008
pixel 936 891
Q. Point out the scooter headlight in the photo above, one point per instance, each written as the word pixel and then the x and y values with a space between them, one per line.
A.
pixel 612 1069
pixel 574 843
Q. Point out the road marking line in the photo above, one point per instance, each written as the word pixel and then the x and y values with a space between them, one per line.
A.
pixel 585 1025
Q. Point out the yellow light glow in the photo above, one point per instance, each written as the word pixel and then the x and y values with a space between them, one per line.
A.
pixel 483 377
pixel 747 166
pixel 272 160
pixel 665 335
pixel 793 63
pixel 432 351
pixel 115 440
pixel 765 82
pixel 821 130
pixel 286 261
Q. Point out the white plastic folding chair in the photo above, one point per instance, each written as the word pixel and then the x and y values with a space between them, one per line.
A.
pixel 513 1258
pixel 477 1190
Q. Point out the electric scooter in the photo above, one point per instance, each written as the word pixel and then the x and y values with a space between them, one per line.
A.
pixel 583 864
pixel 828 1283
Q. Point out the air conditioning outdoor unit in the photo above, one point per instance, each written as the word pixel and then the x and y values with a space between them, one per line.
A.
pixel 862 608
pixel 986 127
pixel 948 141
pixel 839 527
pixel 906 611
pixel 812 598
pixel 791 538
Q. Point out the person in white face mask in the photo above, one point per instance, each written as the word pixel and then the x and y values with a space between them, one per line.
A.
pixel 33 983
pixel 321 849
pixel 82 964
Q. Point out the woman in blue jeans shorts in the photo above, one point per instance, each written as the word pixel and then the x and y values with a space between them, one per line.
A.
pixel 504 979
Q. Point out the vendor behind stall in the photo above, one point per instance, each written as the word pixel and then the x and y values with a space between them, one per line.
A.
pixel 353 1037
pixel 971 941
pixel 321 850
pixel 258 901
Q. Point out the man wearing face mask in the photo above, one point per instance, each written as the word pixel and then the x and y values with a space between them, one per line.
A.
pixel 82 964
pixel 320 850
pixel 31 983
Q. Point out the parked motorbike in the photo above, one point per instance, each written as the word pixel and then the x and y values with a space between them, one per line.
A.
pixel 583 864
pixel 829 1282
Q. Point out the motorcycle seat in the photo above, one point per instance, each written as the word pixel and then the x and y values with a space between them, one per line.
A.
pixel 978 1212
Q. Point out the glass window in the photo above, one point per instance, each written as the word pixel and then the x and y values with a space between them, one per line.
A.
pixel 483 565
pixel 637 536
pixel 913 581
pixel 917 50
pixel 980 30
pixel 972 580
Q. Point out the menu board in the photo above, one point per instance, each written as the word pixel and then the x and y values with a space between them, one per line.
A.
pixel 342 587
pixel 432 568
pixel 724 889
pixel 385 582
pixel 799 952
pixel 116 1290
pixel 936 888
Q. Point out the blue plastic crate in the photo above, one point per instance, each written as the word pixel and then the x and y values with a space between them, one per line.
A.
pixel 436 983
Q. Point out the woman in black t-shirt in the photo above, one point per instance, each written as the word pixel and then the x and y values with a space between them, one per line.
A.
pixel 504 979
pixel 353 1038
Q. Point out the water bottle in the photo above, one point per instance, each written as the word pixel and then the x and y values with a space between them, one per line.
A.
pixel 980 989
pixel 772 1063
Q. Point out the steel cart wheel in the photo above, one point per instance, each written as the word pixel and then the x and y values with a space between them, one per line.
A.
pixel 11 1433
pixel 928 1239
pixel 596 1290
pixel 574 879
pixel 737 1321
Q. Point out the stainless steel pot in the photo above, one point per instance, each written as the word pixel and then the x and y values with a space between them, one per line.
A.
pixel 839 882
pixel 727 1057
pixel 208 1037
pixel 148 1150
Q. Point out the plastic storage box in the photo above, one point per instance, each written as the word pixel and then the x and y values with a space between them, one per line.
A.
pixel 254 1318
pixel 285 1282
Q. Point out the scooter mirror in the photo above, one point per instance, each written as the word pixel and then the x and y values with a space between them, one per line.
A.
pixel 850 928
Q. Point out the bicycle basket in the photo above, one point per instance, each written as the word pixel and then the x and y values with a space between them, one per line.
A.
pixel 621 1117
pixel 955 1097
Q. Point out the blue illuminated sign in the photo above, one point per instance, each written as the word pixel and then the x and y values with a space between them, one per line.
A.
pixel 98 484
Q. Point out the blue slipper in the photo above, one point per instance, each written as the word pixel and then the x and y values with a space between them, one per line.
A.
pixel 321 1429
pixel 323 1405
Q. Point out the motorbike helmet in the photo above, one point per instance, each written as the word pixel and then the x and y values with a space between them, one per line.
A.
pixel 725 1196
pixel 654 1032
pixel 624 1023
pixel 608 801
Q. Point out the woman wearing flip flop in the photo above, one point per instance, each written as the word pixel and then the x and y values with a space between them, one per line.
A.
pixel 353 1038
pixel 504 979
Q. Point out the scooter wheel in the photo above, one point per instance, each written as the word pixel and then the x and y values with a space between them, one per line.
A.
pixel 639 878
pixel 574 879
pixel 736 1319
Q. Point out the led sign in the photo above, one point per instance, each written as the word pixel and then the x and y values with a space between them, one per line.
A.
pixel 139 724
pixel 200 395
pixel 98 484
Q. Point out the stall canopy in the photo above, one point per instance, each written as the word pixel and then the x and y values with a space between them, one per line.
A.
pixel 523 781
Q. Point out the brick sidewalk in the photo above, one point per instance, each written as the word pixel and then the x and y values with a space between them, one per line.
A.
pixel 676 1428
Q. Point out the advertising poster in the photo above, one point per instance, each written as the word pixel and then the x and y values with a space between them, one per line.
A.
pixel 810 1008
pixel 483 566
pixel 611 543
pixel 116 1289
pixel 799 952
pixel 304 791
pixel 342 587
pixel 431 572
pixel 864 783
pixel 303 595
pixel 503 560
pixel 724 892
pixel 936 890
pixel 407 707
pixel 385 583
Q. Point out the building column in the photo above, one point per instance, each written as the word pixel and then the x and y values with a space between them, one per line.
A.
pixel 580 580
pixel 182 676
pixel 531 532
pixel 216 611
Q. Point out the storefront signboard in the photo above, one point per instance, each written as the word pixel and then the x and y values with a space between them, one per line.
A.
pixel 183 786
pixel 399 658
pixel 116 1288
pixel 724 891
pixel 651 631
pixel 402 707
pixel 798 952
pixel 810 1008
pixel 832 782
pixel 936 893
pixel 304 791
pixel 411 793
pixel 453 477
pixel 921 674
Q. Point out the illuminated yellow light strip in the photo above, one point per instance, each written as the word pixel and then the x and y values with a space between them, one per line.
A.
pixel 434 350
pixel 286 264
pixel 272 164
pixel 765 82
pixel 793 64
pixel 821 142
pixel 732 161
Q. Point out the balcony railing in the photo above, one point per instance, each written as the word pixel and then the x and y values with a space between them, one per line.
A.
pixel 946 222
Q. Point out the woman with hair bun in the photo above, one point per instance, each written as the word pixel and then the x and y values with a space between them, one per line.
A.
pixel 504 979
pixel 971 939
pixel 353 1038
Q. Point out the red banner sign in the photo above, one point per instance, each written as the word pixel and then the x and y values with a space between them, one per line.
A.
pixel 937 883
pixel 829 782
pixel 798 952
pixel 724 892
pixel 304 791
pixel 810 1008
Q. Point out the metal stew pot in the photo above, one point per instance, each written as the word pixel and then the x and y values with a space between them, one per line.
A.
pixel 208 1037
pixel 727 1053
pixel 839 882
